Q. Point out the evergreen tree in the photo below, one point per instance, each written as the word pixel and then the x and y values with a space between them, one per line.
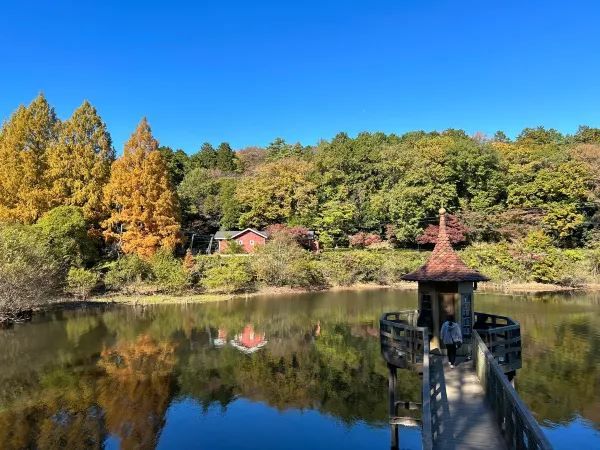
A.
pixel 79 162
pixel 144 207
pixel 226 159
pixel 206 158
pixel 25 137
pixel 178 164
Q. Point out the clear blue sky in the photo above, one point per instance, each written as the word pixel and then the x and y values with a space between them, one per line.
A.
pixel 249 71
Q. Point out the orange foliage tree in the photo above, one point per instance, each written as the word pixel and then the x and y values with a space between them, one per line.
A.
pixel 144 208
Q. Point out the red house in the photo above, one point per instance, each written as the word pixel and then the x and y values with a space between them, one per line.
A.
pixel 249 238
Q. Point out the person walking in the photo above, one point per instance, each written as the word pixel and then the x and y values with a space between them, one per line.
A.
pixel 452 338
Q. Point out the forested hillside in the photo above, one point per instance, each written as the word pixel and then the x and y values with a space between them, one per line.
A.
pixel 63 185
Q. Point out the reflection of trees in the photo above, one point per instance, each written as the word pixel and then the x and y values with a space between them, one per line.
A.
pixel 136 390
pixel 63 414
pixel 560 377
pixel 338 374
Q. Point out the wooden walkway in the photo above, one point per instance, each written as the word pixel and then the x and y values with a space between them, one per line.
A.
pixel 461 418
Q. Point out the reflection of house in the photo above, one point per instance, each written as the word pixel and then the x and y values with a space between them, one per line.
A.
pixel 248 341
pixel 248 238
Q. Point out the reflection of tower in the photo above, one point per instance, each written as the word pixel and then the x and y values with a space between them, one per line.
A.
pixel 248 341
pixel 221 338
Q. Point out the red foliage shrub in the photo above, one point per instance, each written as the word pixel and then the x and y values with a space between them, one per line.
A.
pixel 362 239
pixel 298 232
pixel 455 230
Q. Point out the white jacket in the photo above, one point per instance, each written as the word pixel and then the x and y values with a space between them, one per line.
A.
pixel 451 333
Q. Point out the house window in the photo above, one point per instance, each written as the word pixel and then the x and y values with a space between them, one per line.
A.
pixel 251 242
pixel 241 242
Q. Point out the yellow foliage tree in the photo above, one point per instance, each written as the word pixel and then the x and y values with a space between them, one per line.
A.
pixel 24 139
pixel 79 162
pixel 144 207
pixel 279 192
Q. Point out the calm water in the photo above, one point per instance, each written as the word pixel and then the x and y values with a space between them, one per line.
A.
pixel 291 372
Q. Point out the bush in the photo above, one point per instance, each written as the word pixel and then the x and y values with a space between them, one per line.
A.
pixel 233 248
pixel 29 272
pixel 227 274
pixel 282 262
pixel 65 230
pixel 362 240
pixel 126 270
pixel 168 272
pixel 81 282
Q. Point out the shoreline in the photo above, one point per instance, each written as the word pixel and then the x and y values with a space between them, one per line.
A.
pixel 158 299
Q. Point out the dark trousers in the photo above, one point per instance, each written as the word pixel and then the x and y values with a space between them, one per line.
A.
pixel 451 353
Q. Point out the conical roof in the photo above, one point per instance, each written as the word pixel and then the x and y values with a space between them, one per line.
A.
pixel 444 264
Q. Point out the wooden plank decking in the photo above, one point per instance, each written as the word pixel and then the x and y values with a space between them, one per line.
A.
pixel 461 418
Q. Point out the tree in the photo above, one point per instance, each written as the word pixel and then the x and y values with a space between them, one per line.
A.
pixel 144 207
pixel 251 158
pixel 24 139
pixel 178 163
pixel 500 136
pixel 281 191
pixel 587 135
pixel 79 162
pixel 206 158
pixel 226 159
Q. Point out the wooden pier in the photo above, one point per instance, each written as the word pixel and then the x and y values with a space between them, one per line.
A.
pixel 474 405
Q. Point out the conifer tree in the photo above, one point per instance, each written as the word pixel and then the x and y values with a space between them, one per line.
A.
pixel 226 159
pixel 206 158
pixel 79 162
pixel 24 139
pixel 144 208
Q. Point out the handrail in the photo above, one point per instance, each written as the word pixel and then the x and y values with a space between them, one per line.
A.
pixel 518 426
pixel 504 341
pixel 427 430
pixel 402 340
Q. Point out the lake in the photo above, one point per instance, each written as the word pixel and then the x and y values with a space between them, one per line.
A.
pixel 295 372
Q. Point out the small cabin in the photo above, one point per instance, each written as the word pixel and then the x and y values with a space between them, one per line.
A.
pixel 446 287
pixel 249 239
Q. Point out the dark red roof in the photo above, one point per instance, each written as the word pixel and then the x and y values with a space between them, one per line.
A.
pixel 444 264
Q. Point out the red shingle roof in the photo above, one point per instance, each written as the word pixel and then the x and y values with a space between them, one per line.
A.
pixel 444 264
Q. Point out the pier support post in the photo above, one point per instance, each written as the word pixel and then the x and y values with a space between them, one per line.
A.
pixel 392 378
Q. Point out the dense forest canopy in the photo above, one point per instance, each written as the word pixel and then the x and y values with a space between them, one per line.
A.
pixel 386 185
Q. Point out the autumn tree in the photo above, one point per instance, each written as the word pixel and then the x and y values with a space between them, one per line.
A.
pixel 144 207
pixel 79 162
pixel 24 139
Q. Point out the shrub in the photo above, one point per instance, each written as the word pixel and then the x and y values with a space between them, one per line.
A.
pixel 228 274
pixel 282 262
pixel 168 272
pixel 233 248
pixel 362 240
pixel 128 269
pixel 66 232
pixel 81 282
pixel 29 272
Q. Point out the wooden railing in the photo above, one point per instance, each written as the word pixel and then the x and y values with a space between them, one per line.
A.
pixel 502 337
pixel 518 426
pixel 405 345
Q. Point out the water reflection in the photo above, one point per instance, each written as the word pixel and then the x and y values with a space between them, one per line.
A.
pixel 181 376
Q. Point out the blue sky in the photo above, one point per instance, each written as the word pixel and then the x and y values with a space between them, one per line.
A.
pixel 248 71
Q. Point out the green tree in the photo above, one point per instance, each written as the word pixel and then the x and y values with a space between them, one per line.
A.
pixel 280 192
pixel 178 163
pixel 225 158
pixel 205 158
